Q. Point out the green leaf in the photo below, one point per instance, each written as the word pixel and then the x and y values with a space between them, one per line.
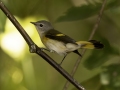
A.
pixel 2 21
pixel 110 77
pixel 79 13
pixel 93 83
pixel 86 11
pixel 99 57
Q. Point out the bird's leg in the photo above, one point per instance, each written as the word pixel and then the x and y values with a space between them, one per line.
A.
pixel 63 59
pixel 45 49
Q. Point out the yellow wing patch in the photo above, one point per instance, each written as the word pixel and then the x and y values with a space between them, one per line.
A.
pixel 60 35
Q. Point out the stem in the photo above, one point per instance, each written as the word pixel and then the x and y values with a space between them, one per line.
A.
pixel 35 49
pixel 83 51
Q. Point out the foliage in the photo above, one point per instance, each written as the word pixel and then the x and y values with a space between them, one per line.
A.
pixel 99 69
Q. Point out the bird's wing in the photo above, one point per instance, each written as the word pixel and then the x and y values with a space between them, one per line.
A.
pixel 56 35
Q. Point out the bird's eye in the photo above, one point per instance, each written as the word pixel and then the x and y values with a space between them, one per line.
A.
pixel 41 25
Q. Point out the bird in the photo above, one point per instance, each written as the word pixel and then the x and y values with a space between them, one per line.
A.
pixel 60 43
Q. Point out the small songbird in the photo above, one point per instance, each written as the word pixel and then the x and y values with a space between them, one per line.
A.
pixel 60 43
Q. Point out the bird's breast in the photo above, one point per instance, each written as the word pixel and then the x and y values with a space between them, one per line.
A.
pixel 58 46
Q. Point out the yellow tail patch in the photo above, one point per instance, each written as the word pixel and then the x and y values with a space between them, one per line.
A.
pixel 90 44
pixel 86 44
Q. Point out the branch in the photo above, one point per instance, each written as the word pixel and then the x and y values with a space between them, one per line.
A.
pixel 83 51
pixel 35 49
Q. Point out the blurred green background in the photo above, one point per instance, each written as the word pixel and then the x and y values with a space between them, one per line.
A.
pixel 99 69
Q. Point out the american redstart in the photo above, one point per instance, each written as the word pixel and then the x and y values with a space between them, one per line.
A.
pixel 60 43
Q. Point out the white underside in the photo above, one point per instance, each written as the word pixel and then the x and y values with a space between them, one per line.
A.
pixel 60 48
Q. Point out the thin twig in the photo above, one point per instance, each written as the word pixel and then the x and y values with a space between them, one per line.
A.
pixel 35 49
pixel 83 51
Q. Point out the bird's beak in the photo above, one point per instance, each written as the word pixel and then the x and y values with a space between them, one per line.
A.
pixel 33 23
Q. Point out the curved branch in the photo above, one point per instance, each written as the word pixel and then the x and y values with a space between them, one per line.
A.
pixel 35 49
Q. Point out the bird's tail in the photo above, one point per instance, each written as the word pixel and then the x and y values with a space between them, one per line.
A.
pixel 92 44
